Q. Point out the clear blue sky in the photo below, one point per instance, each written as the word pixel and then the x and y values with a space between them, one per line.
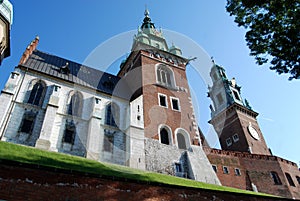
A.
pixel 72 29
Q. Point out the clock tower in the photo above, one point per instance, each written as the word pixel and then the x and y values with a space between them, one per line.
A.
pixel 232 117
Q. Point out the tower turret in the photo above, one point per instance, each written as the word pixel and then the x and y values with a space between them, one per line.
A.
pixel 233 119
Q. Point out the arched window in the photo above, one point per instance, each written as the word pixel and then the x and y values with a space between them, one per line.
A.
pixel 289 178
pixel 37 93
pixel 164 136
pixel 112 114
pixel 165 76
pixel 75 104
pixel 181 141
pixel 27 123
pixel 276 178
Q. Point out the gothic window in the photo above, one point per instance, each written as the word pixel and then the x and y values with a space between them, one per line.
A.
pixel 225 170
pixel 111 114
pixel 164 136
pixel 175 104
pixel 162 100
pixel 181 141
pixel 108 143
pixel 75 104
pixel 289 178
pixel 37 93
pixel 27 123
pixel 69 133
pixel 237 171
pixel 165 76
pixel 276 178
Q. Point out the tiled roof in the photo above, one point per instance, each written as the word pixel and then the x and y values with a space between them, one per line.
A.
pixel 75 73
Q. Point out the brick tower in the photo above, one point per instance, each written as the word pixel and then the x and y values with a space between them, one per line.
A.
pixel 232 117
pixel 161 71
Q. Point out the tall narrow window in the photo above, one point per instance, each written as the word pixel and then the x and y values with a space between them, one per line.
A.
pixel 181 141
pixel 215 168
pixel 237 171
pixel 75 104
pixel 178 167
pixel 162 100
pixel 164 136
pixel 225 170
pixel 165 76
pixel 69 134
pixel 289 178
pixel 108 143
pixel 111 114
pixel 37 93
pixel 276 178
pixel 175 104
pixel 27 123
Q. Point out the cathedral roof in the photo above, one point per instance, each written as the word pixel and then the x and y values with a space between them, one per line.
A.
pixel 70 71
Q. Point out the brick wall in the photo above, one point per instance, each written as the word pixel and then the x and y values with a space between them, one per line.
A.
pixel 31 183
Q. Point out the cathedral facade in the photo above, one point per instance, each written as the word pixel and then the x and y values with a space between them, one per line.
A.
pixel 143 117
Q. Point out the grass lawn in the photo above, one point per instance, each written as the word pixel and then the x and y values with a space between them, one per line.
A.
pixel 30 155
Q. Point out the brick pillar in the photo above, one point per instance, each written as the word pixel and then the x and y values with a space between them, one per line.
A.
pixel 94 141
pixel 44 141
pixel 6 98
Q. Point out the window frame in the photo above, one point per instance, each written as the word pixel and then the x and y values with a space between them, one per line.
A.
pixel 289 179
pixel 235 137
pixel 227 142
pixel 225 170
pixel 237 172
pixel 276 178
pixel 166 100
pixel 215 168
pixel 178 103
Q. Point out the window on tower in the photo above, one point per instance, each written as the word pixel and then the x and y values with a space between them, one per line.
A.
pixel 298 179
pixel 215 168
pixel 165 76
pixel 237 171
pixel 235 137
pixel 236 95
pixel 162 99
pixel 175 103
pixel 165 136
pixel 290 180
pixel 275 178
pixel 228 142
pixel 225 170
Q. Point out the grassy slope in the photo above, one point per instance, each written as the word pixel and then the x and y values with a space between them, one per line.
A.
pixel 30 155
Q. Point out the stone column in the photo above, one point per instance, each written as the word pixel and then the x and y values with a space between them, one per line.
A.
pixel 44 141
pixel 6 98
pixel 94 134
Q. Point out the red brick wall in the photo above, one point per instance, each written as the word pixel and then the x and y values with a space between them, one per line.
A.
pixel 28 183
pixel 255 169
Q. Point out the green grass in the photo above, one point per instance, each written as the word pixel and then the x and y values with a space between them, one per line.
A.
pixel 28 155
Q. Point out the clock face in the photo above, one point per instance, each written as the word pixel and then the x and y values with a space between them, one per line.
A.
pixel 253 132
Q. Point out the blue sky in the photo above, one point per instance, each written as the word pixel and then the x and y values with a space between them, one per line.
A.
pixel 72 29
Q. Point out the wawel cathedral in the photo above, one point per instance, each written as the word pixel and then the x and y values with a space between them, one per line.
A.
pixel 143 117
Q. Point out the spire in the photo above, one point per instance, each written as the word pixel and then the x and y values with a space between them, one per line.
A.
pixel 147 20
